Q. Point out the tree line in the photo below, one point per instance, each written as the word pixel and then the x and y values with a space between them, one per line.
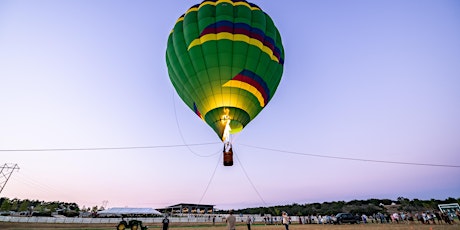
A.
pixel 40 208
pixel 368 207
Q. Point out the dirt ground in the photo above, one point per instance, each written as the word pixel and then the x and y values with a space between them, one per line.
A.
pixel 174 226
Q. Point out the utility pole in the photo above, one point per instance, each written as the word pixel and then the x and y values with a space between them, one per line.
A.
pixel 104 204
pixel 5 173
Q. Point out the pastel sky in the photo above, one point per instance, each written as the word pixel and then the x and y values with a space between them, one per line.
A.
pixel 365 83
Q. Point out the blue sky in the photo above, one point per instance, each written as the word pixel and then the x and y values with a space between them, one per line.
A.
pixel 368 80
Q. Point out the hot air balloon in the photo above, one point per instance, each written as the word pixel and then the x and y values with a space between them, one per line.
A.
pixel 225 59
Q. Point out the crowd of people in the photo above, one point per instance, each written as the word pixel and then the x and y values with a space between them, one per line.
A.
pixel 427 217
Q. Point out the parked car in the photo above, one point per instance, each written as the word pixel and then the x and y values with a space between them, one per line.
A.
pixel 342 218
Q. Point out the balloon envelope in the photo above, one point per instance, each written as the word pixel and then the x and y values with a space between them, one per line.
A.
pixel 225 59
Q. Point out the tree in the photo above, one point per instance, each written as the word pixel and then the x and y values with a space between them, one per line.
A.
pixel 1 200
pixel 24 206
pixel 451 200
pixel 53 206
pixel 6 205
pixel 14 205
pixel 276 211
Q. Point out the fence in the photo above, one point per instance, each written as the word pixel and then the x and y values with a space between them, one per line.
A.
pixel 78 220
pixel 57 220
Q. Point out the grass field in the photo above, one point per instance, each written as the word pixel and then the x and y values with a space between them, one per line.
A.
pixel 415 226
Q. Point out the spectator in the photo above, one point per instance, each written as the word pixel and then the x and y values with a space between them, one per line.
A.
pixel 249 222
pixel 395 217
pixel 231 221
pixel 165 222
pixel 285 220
pixel 364 218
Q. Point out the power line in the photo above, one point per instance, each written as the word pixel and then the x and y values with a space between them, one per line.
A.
pixel 106 148
pixel 212 143
pixel 34 184
pixel 354 159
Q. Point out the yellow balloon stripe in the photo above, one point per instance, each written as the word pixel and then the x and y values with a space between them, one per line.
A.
pixel 219 2
pixel 234 37
pixel 229 2
pixel 180 19
pixel 247 87
pixel 191 10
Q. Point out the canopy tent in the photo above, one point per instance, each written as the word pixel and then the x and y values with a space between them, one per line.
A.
pixel 128 211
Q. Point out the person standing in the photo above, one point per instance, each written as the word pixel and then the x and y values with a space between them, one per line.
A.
pixel 249 222
pixel 457 213
pixel 285 218
pixel 165 222
pixel 231 220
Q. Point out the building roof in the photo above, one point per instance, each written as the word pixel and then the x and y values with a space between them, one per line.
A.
pixel 190 205
pixel 129 211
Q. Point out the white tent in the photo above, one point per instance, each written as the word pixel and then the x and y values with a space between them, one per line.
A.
pixel 128 211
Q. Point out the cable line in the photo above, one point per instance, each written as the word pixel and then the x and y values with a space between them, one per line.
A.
pixel 106 148
pixel 182 136
pixel 210 179
pixel 212 143
pixel 353 159
pixel 250 181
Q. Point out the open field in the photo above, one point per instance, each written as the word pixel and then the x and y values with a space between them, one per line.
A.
pixel 415 226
